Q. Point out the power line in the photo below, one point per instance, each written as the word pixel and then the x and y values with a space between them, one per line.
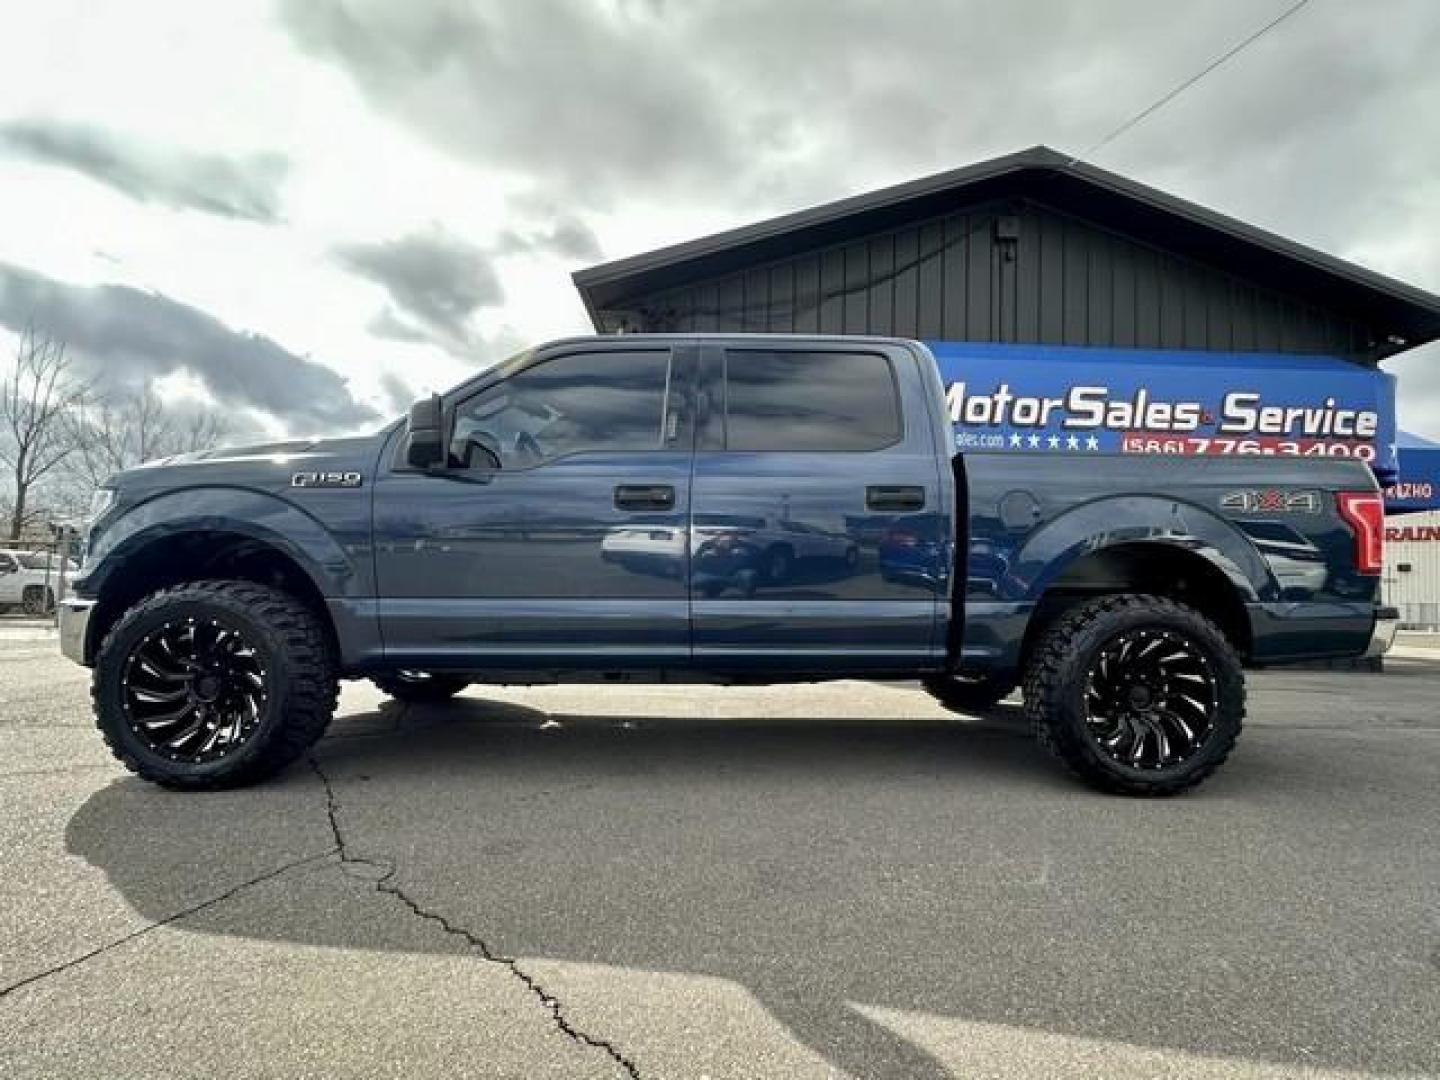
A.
pixel 1156 106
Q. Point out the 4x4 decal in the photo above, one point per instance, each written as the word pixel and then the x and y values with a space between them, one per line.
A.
pixel 1272 502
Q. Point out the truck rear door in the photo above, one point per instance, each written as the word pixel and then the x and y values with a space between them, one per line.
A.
pixel 818 534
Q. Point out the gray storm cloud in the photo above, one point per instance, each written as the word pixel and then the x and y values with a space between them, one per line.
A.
pixel 127 337
pixel 236 187
pixel 399 394
pixel 726 101
pixel 435 281
pixel 1418 401
pixel 565 236
pixel 760 106
pixel 586 97
pixel 749 108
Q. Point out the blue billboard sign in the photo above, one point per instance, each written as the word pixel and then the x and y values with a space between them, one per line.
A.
pixel 1417 487
pixel 1051 399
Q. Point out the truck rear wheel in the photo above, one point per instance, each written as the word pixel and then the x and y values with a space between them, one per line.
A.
pixel 965 695
pixel 214 684
pixel 1137 695
pixel 420 687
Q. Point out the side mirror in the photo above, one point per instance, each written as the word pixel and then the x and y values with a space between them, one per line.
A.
pixel 425 434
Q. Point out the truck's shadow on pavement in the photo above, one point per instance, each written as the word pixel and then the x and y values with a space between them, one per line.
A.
pixel 914 865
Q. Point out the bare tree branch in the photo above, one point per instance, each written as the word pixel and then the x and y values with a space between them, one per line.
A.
pixel 113 432
pixel 34 402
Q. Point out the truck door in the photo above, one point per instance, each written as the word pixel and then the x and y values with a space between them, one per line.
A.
pixel 819 542
pixel 557 537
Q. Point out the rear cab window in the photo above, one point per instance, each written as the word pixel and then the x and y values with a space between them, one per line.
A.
pixel 807 400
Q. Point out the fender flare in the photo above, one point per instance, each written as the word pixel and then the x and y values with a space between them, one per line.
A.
pixel 1138 519
pixel 256 515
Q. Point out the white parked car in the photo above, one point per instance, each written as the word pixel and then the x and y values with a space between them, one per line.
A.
pixel 659 549
pixel 31 580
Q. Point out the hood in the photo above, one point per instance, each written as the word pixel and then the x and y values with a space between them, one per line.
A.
pixel 265 465
pixel 237 453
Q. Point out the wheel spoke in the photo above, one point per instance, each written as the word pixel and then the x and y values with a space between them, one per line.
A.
pixel 1137 748
pixel 148 665
pixel 1177 725
pixel 158 696
pixel 1162 744
pixel 186 735
pixel 172 717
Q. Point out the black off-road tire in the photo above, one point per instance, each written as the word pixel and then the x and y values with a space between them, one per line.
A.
pixel 423 688
pixel 969 695
pixel 301 684
pixel 1056 676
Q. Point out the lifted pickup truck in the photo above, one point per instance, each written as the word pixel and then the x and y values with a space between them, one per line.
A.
pixel 712 509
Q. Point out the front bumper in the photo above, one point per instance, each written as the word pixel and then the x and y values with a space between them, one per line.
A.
pixel 74 627
pixel 1387 622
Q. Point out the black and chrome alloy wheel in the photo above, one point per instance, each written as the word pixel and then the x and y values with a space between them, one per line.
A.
pixel 1137 694
pixel 195 690
pixel 1150 698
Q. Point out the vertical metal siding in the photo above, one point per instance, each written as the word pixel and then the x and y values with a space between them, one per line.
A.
pixel 1062 281
pixel 930 315
pixel 907 283
pixel 856 313
pixel 1416 592
pixel 880 294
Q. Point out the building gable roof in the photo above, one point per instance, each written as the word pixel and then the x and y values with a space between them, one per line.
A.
pixel 1405 315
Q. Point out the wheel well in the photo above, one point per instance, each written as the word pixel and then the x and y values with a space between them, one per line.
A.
pixel 193 556
pixel 1155 568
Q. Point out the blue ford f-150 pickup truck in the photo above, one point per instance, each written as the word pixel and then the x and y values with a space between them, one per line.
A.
pixel 714 509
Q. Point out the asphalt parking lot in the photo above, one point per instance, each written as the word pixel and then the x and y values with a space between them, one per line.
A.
pixel 809 882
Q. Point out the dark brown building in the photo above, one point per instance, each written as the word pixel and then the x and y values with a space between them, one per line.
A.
pixel 1031 248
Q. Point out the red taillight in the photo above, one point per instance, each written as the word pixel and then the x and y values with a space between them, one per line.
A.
pixel 1364 512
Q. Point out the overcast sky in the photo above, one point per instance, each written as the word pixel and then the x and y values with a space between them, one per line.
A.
pixel 307 211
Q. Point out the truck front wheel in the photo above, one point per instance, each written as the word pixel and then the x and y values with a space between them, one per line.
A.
pixel 420 687
pixel 1136 694
pixel 214 684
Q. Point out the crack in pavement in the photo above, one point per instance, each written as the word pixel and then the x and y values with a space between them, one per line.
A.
pixel 194 909
pixel 386 884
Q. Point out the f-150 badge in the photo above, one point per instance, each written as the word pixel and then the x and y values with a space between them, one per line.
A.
pixel 326 480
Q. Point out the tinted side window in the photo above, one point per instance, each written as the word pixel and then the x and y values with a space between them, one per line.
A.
pixel 803 401
pixel 608 401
